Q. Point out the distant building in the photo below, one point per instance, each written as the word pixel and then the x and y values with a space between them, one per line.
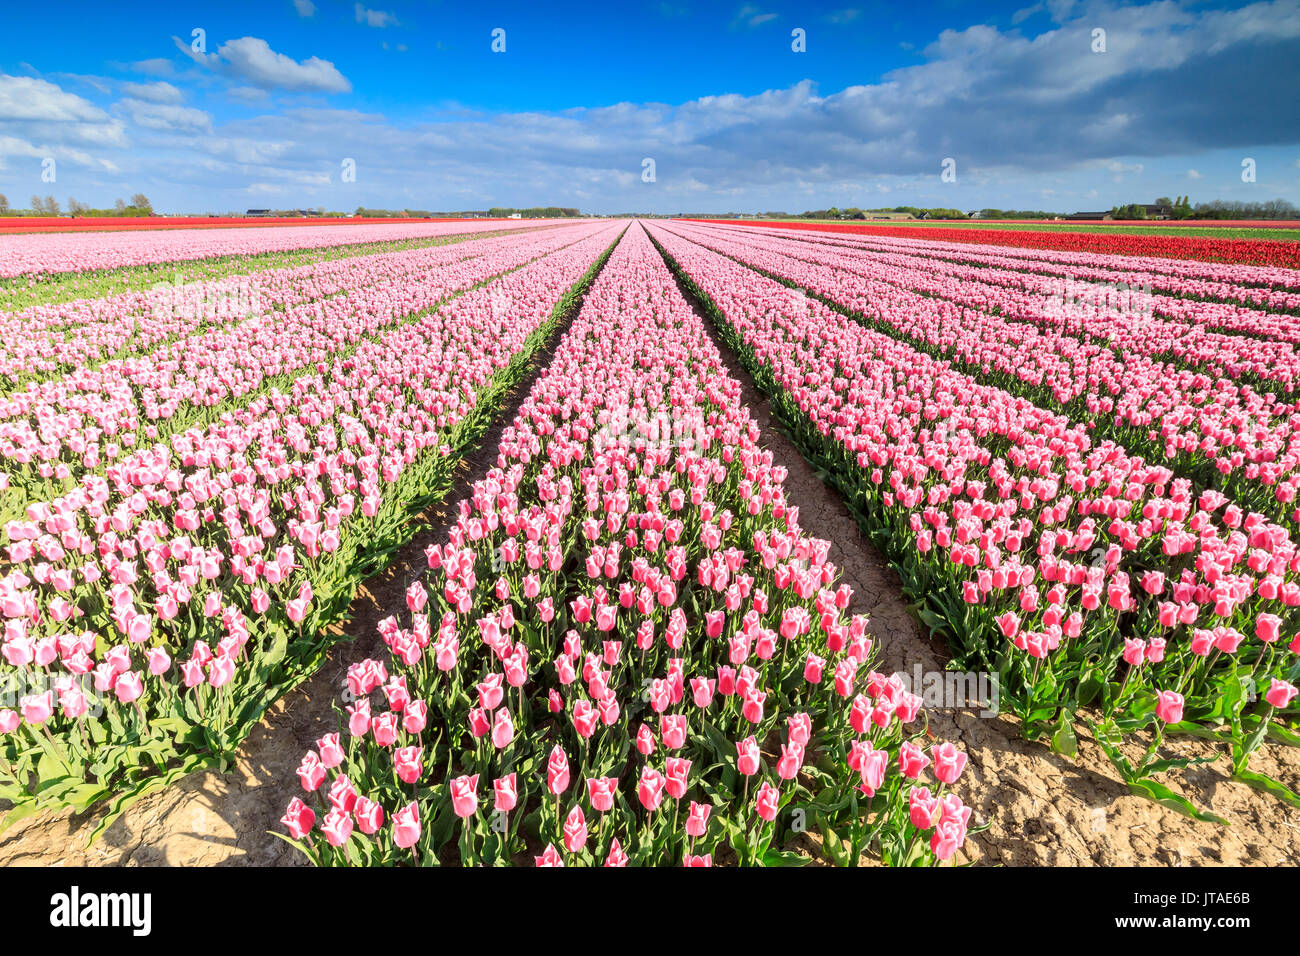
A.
pixel 1095 216
pixel 515 215
pixel 258 212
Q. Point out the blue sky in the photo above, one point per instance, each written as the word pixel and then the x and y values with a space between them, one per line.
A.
pixel 279 94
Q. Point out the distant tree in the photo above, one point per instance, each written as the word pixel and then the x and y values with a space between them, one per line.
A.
pixel 4 204
pixel 141 201
pixel 76 207
pixel 51 206
pixel 120 206
pixel 38 205
pixel 1164 201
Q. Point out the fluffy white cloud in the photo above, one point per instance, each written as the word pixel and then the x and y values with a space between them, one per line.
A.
pixel 251 60
pixel 305 8
pixel 29 98
pixel 159 92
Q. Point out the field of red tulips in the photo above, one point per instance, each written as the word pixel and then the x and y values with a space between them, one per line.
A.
pixel 621 645
pixel 1278 253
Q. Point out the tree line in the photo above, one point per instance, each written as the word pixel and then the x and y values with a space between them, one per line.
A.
pixel 49 206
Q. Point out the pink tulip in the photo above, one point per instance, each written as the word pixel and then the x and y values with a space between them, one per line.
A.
pixel 601 791
pixel 406 826
pixel 557 771
pixel 408 764
pixel 1169 706
pixel 1280 693
pixel 464 800
pixel 767 801
pixel 298 818
pixel 697 821
pixel 575 831
pixel 948 762
pixel 506 793
pixel 550 857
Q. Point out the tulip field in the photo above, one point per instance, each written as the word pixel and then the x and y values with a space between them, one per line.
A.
pixel 624 648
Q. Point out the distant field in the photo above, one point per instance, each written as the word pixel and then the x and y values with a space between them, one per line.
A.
pixel 1285 230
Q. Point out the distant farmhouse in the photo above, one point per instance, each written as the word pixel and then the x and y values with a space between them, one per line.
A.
pixel 261 213
pixel 1135 210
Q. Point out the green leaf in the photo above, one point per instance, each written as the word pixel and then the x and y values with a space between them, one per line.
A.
pixel 1196 730
pixel 295 843
pixel 1064 740
pixel 1178 763
pixel 784 858
pixel 1262 781
pixel 835 847
pixel 1283 734
pixel 1161 794
pixel 1088 691
pixel 20 811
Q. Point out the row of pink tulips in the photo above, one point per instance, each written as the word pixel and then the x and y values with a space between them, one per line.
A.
pixel 627 651
pixel 1043 556
pixel 31 254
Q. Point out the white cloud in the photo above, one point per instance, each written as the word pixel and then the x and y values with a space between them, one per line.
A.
pixel 158 66
pixel 251 60
pixel 27 98
pixel 1193 174
pixel 166 117
pixel 97 83
pixel 305 8
pixel 159 92
pixel 841 17
pixel 247 94
pixel 13 146
pixel 375 18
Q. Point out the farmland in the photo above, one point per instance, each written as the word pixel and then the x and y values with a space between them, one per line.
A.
pixel 622 542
